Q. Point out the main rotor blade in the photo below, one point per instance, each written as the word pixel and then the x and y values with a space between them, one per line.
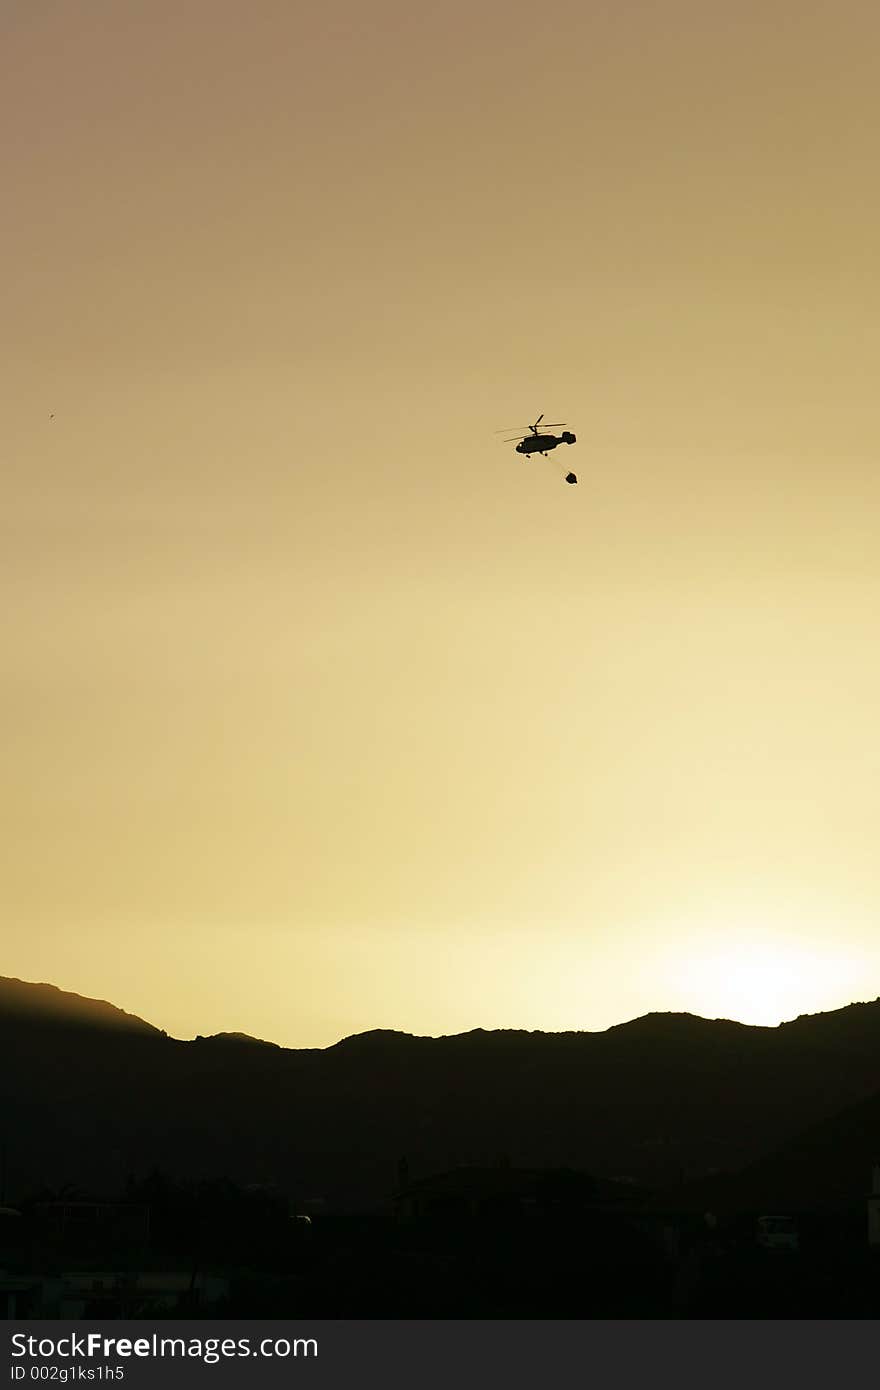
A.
pixel 548 425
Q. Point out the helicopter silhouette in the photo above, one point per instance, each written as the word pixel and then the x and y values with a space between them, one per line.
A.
pixel 533 442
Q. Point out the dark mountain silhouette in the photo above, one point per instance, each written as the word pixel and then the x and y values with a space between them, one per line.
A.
pixel 89 1095
pixel 236 1038
pixel 52 1006
pixel 826 1166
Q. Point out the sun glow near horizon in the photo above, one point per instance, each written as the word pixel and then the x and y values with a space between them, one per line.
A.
pixel 764 982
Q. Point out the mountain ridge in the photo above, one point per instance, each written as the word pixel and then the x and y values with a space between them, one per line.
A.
pixel 660 1100
pixel 50 1002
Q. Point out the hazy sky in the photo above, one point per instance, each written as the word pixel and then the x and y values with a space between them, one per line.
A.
pixel 323 710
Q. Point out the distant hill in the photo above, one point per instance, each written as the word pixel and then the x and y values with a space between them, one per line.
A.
pixel 95 1095
pixel 236 1038
pixel 48 1005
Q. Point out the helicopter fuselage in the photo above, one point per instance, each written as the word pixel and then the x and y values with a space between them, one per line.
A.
pixel 541 443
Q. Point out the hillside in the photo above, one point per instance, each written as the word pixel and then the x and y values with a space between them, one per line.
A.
pixel 657 1100
pixel 826 1166
pixel 48 1006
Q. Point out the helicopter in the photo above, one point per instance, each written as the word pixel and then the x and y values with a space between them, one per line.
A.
pixel 541 443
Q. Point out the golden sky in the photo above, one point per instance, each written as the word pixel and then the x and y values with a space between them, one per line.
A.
pixel 323 710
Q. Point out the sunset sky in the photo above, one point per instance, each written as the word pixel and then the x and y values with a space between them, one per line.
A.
pixel 323 710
